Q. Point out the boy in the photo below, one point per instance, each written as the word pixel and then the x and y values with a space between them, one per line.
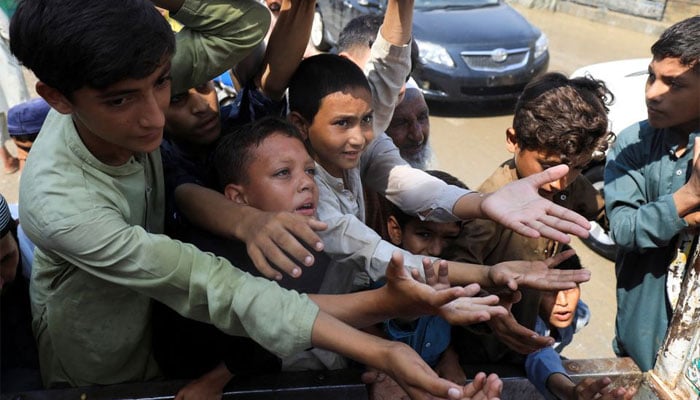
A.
pixel 329 101
pixel 266 165
pixel 23 123
pixel 556 120
pixel 651 195
pixel 561 315
pixel 429 336
pixel 94 205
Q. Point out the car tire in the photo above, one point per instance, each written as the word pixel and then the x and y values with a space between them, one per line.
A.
pixel 319 38
pixel 599 239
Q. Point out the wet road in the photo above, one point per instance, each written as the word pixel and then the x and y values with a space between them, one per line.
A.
pixel 471 148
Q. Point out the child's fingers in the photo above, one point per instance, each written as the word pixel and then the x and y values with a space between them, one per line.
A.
pixel 696 150
pixel 262 265
pixel 429 271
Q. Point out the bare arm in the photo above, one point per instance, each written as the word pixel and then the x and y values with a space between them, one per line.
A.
pixel 286 46
pixel 404 296
pixel 271 238
pixel 398 22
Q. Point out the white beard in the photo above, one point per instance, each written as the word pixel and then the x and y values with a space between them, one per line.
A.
pixel 423 160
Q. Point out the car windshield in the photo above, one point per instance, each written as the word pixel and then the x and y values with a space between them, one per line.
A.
pixel 445 4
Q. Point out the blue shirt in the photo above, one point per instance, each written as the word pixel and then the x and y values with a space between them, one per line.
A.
pixel 540 365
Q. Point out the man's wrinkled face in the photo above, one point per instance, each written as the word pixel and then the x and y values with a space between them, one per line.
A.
pixel 410 129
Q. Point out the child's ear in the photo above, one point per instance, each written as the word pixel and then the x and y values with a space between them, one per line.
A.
pixel 55 99
pixel 511 141
pixel 300 122
pixel 394 229
pixel 235 193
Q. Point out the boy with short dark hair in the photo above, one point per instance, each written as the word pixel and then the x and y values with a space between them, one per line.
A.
pixel 561 315
pixel 329 100
pixel 652 187
pixel 92 197
pixel 556 120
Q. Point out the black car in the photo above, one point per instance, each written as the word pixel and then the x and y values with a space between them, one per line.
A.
pixel 471 50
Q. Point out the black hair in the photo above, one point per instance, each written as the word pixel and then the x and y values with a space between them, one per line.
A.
pixel 359 31
pixel 70 44
pixel 680 40
pixel 363 31
pixel 234 152
pixel 573 262
pixel 402 218
pixel 563 116
pixel 317 77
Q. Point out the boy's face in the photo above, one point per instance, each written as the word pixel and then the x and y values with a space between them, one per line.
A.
pixel 194 116
pixel 341 130
pixel 423 237
pixel 529 162
pixel 559 308
pixel 124 119
pixel 280 177
pixel 410 127
pixel 672 95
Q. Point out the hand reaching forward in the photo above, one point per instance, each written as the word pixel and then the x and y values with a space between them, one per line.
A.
pixel 517 337
pixel 538 274
pixel 519 207
pixel 275 238
pixel 411 298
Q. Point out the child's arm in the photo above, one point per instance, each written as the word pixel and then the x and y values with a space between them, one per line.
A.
pixel 513 274
pixel 405 297
pixel 519 207
pixel 216 35
pixel 271 238
pixel 286 46
pixel 208 386
pixel 397 360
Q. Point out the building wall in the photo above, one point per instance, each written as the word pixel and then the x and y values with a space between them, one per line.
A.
pixel 648 16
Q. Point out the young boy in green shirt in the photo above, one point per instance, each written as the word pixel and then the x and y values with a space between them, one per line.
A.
pixel 92 199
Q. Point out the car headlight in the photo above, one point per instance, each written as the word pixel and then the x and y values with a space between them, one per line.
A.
pixel 433 53
pixel 541 45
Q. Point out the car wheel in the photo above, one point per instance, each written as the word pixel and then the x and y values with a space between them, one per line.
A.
pixel 318 33
pixel 599 239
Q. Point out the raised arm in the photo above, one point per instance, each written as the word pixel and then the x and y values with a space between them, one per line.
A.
pixel 286 46
pixel 216 36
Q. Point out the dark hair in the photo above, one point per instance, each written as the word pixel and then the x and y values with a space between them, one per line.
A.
pixel 680 40
pixel 573 262
pixel 359 31
pixel 317 77
pixel 363 31
pixel 69 44
pixel 234 152
pixel 563 116
pixel 402 218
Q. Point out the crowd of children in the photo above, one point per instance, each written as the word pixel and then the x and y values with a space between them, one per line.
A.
pixel 180 238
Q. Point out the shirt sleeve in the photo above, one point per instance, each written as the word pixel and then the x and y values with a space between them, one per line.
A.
pixel 634 220
pixel 351 243
pixel 195 284
pixel 412 190
pixel 215 37
pixel 540 365
pixel 386 71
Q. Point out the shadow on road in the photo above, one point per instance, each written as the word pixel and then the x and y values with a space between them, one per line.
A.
pixel 472 109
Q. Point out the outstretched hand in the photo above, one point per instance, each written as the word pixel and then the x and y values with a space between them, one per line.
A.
pixel 517 337
pixel 519 207
pixel 275 238
pixel 412 298
pixel 538 274
pixel 419 381
pixel 589 389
